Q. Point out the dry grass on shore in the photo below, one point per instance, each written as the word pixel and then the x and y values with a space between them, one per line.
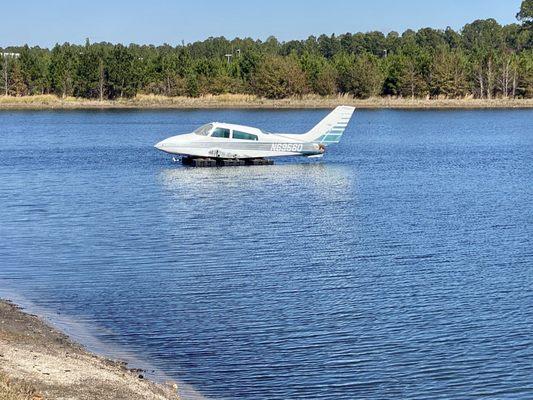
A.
pixel 250 101
pixel 13 390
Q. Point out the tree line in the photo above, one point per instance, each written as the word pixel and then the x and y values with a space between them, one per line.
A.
pixel 483 60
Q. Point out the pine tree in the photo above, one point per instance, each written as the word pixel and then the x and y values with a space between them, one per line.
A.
pixel 17 86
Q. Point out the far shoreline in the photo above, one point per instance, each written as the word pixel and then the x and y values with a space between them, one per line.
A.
pixel 237 101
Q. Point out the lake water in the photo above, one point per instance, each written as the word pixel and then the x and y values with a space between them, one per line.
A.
pixel 399 266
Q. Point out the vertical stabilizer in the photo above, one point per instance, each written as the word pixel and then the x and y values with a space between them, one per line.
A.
pixel 331 128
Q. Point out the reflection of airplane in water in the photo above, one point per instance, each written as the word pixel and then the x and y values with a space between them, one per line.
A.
pixel 229 144
pixel 325 180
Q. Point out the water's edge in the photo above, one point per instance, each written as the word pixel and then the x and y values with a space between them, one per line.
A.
pixel 85 335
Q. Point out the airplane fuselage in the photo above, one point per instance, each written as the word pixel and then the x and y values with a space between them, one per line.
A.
pixel 242 142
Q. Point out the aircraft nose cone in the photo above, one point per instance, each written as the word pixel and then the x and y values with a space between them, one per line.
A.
pixel 160 145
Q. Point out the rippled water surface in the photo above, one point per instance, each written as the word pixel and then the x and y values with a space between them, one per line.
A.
pixel 400 266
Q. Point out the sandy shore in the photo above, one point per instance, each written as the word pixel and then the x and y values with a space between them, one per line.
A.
pixel 37 362
pixel 249 101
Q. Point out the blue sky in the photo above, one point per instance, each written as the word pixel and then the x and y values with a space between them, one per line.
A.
pixel 158 21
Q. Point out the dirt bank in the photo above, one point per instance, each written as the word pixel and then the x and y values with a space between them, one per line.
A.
pixel 249 101
pixel 38 362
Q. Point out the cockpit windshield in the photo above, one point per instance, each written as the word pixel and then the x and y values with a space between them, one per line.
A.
pixel 204 130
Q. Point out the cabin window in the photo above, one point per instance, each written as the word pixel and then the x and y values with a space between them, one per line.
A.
pixel 220 132
pixel 203 130
pixel 244 135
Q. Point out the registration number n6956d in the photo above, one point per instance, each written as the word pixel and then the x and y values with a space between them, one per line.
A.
pixel 288 147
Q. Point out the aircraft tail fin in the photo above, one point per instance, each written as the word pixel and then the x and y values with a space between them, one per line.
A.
pixel 331 128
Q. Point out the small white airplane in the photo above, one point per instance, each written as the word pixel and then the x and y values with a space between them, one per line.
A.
pixel 229 141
